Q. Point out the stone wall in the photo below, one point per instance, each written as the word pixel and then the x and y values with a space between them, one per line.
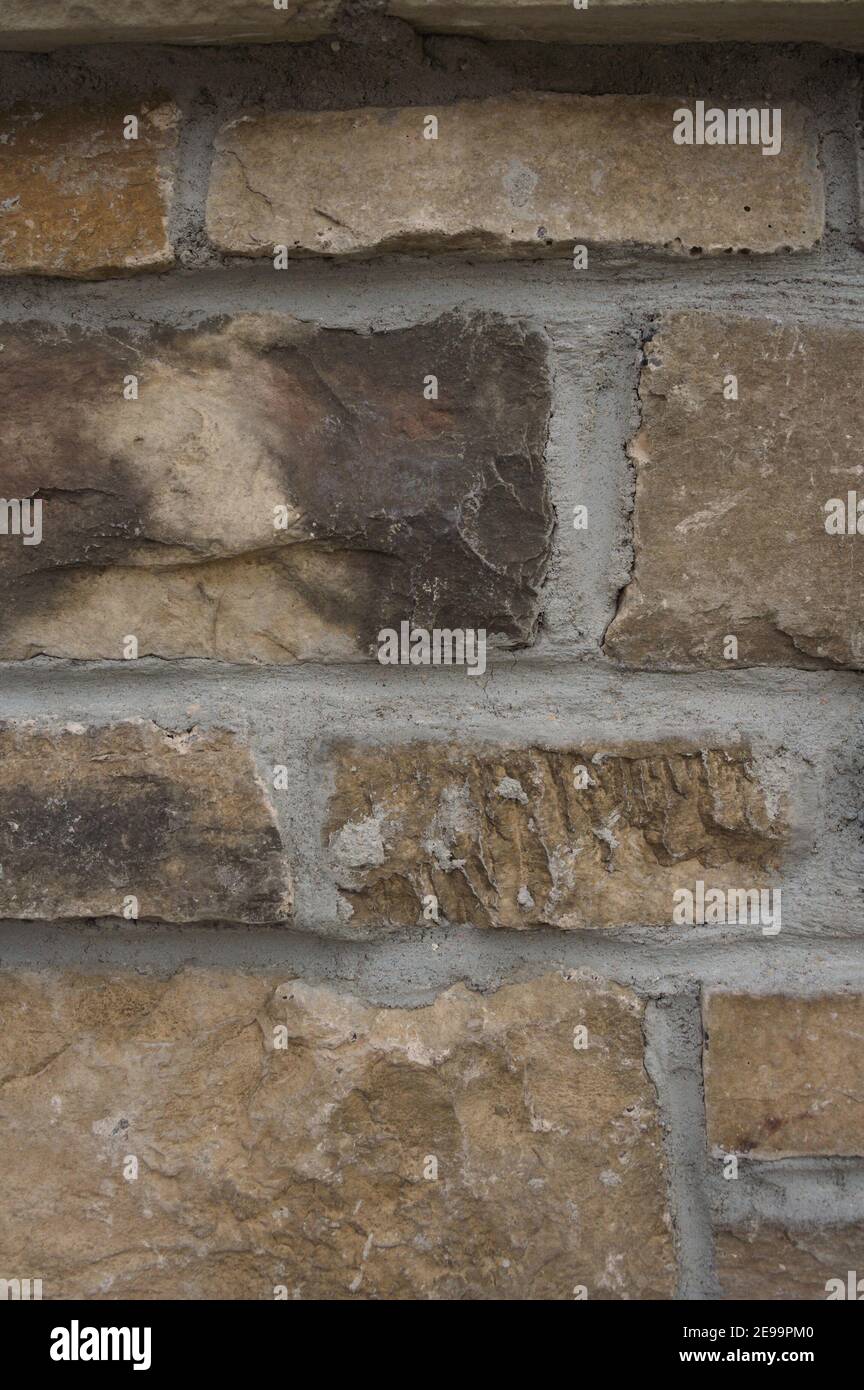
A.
pixel 536 975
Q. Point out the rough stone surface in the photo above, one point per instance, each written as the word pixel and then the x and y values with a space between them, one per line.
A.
pixel 503 838
pixel 282 1134
pixel 769 1261
pixel 836 22
pixel 785 1076
pixel 158 513
pixel 179 821
pixel 496 181
pixel 44 24
pixel 729 524
pixel 79 200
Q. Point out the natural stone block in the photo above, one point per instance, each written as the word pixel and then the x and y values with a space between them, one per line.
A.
pixel 518 837
pixel 836 22
pixel 770 1261
pixel 28 24
pixel 276 491
pixel 731 494
pixel 785 1076
pixel 294 1142
pixel 520 175
pixel 131 820
pixel 79 200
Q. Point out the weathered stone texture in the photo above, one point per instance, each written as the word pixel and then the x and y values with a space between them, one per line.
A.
pixel 503 838
pixel 44 24
pixel 179 821
pixel 78 200
pixel 771 1262
pixel 296 1158
pixel 729 528
pixel 519 175
pixel 836 22
pixel 158 513
pixel 785 1076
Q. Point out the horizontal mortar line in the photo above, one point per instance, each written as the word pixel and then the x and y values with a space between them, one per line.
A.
pixel 413 965
pixel 760 1171
pixel 828 281
pixel 29 293
pixel 794 1192
pixel 510 668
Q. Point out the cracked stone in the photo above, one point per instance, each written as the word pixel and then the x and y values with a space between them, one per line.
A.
pixel 771 1261
pixel 493 181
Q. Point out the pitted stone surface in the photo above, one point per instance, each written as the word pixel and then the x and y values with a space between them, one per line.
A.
pixel 528 174
pixel 537 837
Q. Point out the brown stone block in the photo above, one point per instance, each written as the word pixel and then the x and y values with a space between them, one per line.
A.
pixel 179 822
pixel 79 200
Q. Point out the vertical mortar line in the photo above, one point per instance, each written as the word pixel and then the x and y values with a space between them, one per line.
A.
pixel 199 125
pixel 837 155
pixel 673 1060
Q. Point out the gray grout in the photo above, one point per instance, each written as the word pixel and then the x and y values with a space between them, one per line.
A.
pixel 673 1058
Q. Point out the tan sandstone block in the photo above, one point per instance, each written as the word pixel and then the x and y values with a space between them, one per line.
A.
pixel 785 1076
pixel 505 838
pixel 77 199
pixel 730 517
pixel 285 1135
pixel 836 22
pixel 527 174
pixel 179 821
pixel 45 24
pixel 770 1261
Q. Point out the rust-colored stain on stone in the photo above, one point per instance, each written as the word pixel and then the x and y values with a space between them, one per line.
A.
pixel 79 200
